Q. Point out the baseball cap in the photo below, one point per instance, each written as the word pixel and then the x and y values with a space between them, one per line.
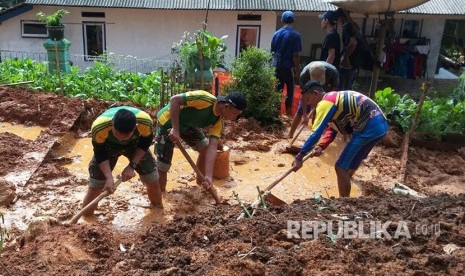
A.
pixel 236 99
pixel 330 15
pixel 288 17
pixel 310 84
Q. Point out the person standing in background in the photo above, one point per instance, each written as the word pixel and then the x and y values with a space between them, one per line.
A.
pixel 351 55
pixel 331 47
pixel 285 47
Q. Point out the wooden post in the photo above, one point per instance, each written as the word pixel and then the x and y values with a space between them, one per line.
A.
pixel 199 47
pixel 185 80
pixel 162 93
pixel 409 133
pixel 379 49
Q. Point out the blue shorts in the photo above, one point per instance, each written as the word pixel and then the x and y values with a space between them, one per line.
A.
pixel 300 111
pixel 361 143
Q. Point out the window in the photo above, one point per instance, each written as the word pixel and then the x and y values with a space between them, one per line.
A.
pixel 93 14
pixel 370 27
pixel 247 35
pixel 411 28
pixel 33 29
pixel 94 39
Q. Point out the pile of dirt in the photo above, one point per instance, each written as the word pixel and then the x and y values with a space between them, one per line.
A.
pixel 215 243
pixel 247 134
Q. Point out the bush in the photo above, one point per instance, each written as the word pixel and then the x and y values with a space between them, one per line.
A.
pixel 459 92
pixel 438 116
pixel 253 75
pixel 101 81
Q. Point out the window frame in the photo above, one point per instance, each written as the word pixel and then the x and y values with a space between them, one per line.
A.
pixel 35 22
pixel 258 28
pixel 404 23
pixel 87 56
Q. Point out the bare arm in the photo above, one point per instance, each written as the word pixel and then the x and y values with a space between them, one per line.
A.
pixel 109 182
pixel 331 56
pixel 175 104
pixel 210 160
pixel 350 48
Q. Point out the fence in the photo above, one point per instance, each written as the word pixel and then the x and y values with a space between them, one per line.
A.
pixel 119 62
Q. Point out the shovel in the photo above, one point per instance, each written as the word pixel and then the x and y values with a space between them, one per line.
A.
pixel 211 190
pixel 269 197
pixel 291 149
pixel 92 203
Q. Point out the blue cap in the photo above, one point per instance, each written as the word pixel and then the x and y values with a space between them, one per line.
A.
pixel 330 16
pixel 288 17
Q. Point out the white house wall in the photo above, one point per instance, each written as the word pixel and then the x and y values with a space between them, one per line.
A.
pixel 137 32
pixel 150 33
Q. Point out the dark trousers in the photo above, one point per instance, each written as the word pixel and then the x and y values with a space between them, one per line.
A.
pixel 285 76
pixel 346 78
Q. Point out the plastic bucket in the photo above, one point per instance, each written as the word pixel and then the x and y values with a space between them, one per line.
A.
pixel 221 168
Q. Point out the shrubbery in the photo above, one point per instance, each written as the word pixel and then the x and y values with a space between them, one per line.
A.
pixel 101 82
pixel 438 117
pixel 253 75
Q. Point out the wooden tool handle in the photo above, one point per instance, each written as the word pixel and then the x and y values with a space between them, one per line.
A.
pixel 211 190
pixel 297 135
pixel 93 202
pixel 283 176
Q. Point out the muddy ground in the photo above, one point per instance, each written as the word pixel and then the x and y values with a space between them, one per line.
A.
pixel 213 242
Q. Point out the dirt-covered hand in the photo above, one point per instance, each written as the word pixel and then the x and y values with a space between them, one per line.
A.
pixel 297 164
pixel 305 120
pixel 127 173
pixel 316 151
pixel 207 183
pixel 174 135
pixel 109 185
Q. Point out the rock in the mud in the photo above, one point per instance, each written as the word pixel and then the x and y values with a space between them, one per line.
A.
pixel 7 193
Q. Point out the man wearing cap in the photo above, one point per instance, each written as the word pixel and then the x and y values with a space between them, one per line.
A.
pixel 351 56
pixel 324 73
pixel 127 131
pixel 331 47
pixel 285 46
pixel 346 112
pixel 182 119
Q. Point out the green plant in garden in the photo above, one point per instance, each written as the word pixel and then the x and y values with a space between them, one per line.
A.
pixel 253 75
pixel 100 81
pixel 438 117
pixel 459 92
pixel 53 19
pixel 212 48
pixel 3 232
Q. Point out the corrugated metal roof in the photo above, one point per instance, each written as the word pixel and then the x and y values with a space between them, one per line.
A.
pixel 451 7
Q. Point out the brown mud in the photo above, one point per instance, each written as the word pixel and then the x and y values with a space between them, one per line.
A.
pixel 210 241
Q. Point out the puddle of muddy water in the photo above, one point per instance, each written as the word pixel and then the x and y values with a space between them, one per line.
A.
pixel 25 132
pixel 248 169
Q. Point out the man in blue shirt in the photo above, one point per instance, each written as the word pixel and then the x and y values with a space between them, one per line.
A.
pixel 285 46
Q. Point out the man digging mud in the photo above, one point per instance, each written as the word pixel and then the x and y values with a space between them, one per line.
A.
pixel 124 131
pixel 182 119
pixel 349 112
pixel 326 74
